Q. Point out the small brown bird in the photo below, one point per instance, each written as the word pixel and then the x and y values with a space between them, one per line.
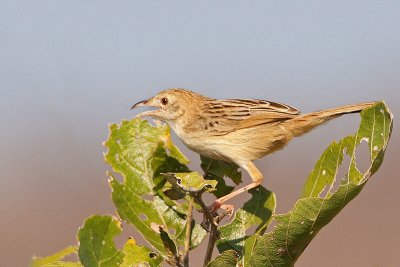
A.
pixel 235 130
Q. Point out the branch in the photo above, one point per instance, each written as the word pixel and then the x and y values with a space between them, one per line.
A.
pixel 213 232
pixel 211 243
pixel 189 218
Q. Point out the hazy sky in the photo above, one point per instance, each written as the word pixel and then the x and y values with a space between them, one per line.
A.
pixel 69 68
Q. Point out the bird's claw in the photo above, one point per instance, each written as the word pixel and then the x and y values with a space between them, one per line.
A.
pixel 217 218
pixel 228 211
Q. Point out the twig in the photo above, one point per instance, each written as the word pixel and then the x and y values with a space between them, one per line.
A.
pixel 213 232
pixel 178 263
pixel 211 243
pixel 189 218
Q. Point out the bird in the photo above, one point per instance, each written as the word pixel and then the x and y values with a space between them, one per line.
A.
pixel 235 130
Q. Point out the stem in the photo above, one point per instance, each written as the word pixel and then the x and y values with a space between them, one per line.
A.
pixel 189 218
pixel 211 243
pixel 213 232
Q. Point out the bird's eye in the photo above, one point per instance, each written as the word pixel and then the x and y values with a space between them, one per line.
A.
pixel 164 101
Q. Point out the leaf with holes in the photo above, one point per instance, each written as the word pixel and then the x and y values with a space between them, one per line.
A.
pixel 191 182
pixel 96 245
pixel 283 245
pixel 255 212
pixel 139 152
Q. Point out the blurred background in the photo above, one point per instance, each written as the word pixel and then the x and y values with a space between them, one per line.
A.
pixel 69 68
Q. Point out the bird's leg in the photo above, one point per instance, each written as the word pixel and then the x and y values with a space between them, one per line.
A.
pixel 256 177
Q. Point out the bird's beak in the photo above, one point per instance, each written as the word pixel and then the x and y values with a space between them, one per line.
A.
pixel 142 103
pixel 146 103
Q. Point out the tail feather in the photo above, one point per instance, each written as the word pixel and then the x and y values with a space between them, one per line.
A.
pixel 306 122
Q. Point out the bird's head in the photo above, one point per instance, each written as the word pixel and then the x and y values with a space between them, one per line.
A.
pixel 170 104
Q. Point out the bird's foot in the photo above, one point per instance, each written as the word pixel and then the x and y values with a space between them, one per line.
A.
pixel 217 218
pixel 227 209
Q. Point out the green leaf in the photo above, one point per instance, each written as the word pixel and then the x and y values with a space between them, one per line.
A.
pixel 138 151
pixel 174 152
pixel 131 150
pixel 96 242
pixel 137 255
pixel 172 192
pixel 162 164
pixel 61 264
pixel 283 245
pixel 191 182
pixel 55 259
pixel 227 258
pixel 255 212
pixel 217 170
pixel 169 244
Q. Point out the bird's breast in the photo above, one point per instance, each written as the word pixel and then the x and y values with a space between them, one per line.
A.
pixel 238 146
pixel 201 143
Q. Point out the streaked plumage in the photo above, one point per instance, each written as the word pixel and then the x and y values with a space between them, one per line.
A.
pixel 236 130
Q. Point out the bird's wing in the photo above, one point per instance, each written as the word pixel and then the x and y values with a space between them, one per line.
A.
pixel 225 116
